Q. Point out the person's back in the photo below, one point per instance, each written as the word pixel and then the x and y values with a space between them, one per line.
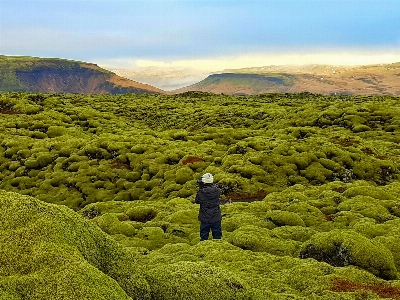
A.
pixel 210 212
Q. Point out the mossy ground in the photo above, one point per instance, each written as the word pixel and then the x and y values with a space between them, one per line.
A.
pixel 119 175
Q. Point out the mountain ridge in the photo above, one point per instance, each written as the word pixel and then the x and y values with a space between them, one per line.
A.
pixel 320 79
pixel 54 75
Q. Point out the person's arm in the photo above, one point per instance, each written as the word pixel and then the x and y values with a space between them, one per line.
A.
pixel 197 199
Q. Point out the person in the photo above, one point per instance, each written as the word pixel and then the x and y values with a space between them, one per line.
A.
pixel 210 212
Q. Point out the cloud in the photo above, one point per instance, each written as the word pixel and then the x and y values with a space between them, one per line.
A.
pixel 220 63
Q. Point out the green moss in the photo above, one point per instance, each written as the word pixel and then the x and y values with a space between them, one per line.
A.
pixel 185 280
pixel 112 225
pixel 31 163
pixel 392 243
pixel 13 166
pixel 297 149
pixel 141 213
pixel 187 216
pixel 367 190
pixel 44 159
pixel 296 233
pixel 360 128
pixel 48 251
pixel 38 135
pixel 284 218
pixel 23 182
pixel 260 240
pixel 133 176
pixel 152 238
pixel 316 172
pixel 183 175
pixel 347 219
pixel 329 164
pixel 367 206
pixel 346 247
pixel 136 193
pixel 232 222
pixel 54 131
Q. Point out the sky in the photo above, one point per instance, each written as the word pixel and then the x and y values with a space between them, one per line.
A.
pixel 207 35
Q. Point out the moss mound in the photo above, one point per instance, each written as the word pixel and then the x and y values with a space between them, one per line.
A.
pixel 284 218
pixel 343 248
pixel 49 252
pixel 194 280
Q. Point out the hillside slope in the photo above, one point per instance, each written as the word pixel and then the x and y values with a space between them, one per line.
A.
pixel 361 80
pixel 48 75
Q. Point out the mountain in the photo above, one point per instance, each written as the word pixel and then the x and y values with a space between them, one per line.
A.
pixel 166 78
pixel 52 75
pixel 322 79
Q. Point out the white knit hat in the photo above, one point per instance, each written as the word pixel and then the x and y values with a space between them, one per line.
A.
pixel 207 178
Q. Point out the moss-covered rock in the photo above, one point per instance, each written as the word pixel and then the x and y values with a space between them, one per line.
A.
pixel 347 247
pixel 367 206
pixel 48 251
pixel 296 233
pixel 234 221
pixel 261 240
pixel 194 280
pixel 111 224
pixel 284 218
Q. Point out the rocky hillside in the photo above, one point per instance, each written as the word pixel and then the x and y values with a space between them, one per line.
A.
pixel 47 75
pixel 321 79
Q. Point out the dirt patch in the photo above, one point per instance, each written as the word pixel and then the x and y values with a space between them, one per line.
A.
pixel 122 218
pixel 382 289
pixel 8 109
pixel 245 197
pixel 345 142
pixel 381 157
pixel 191 160
pixel 329 218
pixel 339 189
pixel 116 164
pixel 368 151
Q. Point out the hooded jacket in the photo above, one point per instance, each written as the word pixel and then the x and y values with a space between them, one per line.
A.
pixel 208 198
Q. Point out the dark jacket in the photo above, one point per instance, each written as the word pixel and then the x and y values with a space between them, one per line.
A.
pixel 208 198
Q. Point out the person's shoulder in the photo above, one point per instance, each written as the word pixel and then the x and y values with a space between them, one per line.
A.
pixel 217 188
pixel 211 187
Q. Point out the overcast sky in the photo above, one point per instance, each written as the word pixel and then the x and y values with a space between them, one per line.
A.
pixel 208 34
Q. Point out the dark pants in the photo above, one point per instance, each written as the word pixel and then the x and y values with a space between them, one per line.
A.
pixel 214 227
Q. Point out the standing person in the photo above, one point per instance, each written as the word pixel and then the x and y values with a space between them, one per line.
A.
pixel 210 211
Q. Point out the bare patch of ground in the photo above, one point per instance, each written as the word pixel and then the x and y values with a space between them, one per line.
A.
pixel 382 289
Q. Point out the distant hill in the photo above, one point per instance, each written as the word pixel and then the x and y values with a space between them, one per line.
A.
pixel 52 75
pixel 165 78
pixel 323 79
